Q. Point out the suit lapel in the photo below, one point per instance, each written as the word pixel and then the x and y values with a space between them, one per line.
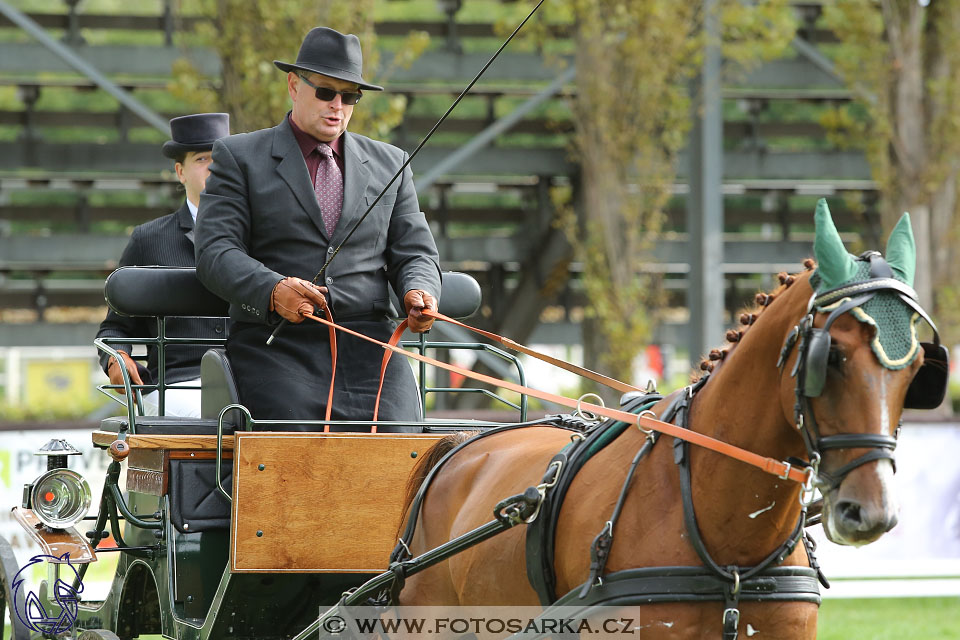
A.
pixel 293 169
pixel 185 220
pixel 355 179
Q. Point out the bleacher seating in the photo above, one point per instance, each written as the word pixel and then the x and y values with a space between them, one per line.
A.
pixel 65 205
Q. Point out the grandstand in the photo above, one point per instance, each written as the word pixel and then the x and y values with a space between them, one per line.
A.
pixel 79 167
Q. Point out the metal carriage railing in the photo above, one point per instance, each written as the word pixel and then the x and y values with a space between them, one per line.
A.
pixel 163 292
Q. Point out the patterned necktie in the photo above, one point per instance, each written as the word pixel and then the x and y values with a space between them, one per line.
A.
pixel 329 188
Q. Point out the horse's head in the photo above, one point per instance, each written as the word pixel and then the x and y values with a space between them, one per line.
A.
pixel 858 364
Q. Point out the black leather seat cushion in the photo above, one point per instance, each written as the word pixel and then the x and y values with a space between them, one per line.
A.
pixel 166 425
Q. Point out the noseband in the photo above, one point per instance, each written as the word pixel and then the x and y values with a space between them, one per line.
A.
pixel 810 370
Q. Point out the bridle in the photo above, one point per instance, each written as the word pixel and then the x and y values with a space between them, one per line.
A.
pixel 810 369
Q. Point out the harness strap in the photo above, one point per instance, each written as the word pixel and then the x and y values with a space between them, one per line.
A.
pixel 394 340
pixel 402 550
pixel 600 549
pixel 810 546
pixel 516 346
pixel 333 369
pixel 769 465
pixel 827 480
pixel 652 585
pixel 731 574
pixel 541 533
pixel 857 440
pixel 874 285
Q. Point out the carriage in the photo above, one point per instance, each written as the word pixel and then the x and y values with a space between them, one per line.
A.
pixel 328 517
pixel 295 520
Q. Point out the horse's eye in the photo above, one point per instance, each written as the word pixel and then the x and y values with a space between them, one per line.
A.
pixel 835 358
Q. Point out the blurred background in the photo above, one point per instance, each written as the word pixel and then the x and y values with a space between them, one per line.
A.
pixel 621 182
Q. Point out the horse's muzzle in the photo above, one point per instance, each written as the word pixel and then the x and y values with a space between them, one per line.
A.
pixel 858 525
pixel 862 508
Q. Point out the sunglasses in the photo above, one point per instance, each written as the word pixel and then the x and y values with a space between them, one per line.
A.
pixel 327 94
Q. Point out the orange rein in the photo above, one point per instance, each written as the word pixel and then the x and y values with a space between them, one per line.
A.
pixel 333 367
pixel 643 421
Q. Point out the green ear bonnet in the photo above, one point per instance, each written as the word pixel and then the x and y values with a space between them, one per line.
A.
pixel 895 340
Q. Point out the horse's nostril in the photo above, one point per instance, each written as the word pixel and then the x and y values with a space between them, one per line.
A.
pixel 850 514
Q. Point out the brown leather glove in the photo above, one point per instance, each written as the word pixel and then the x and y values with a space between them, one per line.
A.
pixel 116 375
pixel 415 300
pixel 293 297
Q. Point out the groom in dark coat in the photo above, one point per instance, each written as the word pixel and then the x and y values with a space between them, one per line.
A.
pixel 168 241
pixel 279 202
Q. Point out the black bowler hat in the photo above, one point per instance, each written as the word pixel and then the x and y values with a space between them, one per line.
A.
pixel 196 132
pixel 333 54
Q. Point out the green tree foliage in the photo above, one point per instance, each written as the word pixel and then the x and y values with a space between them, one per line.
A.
pixel 635 63
pixel 903 62
pixel 249 35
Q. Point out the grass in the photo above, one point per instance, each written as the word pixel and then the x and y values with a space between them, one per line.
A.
pixel 890 619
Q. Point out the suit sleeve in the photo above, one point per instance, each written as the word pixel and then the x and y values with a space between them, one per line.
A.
pixel 224 224
pixel 116 325
pixel 412 258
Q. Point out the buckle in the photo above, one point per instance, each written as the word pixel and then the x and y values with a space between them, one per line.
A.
pixel 731 621
pixel 786 472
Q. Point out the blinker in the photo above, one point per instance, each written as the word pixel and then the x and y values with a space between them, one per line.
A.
pixel 929 386
pixel 818 351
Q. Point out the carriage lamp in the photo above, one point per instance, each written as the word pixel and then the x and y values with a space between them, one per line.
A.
pixel 60 497
pixel 57 451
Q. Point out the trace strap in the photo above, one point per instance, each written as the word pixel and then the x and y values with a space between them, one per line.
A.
pixel 645 423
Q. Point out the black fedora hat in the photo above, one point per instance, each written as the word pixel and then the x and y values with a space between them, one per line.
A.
pixel 331 53
pixel 195 132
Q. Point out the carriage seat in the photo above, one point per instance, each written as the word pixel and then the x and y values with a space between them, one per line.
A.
pixel 175 291
pixel 218 389
pixel 460 298
pixel 166 425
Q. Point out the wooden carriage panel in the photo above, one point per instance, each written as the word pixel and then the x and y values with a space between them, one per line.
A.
pixel 322 502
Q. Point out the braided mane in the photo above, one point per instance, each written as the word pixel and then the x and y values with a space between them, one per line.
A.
pixel 747 317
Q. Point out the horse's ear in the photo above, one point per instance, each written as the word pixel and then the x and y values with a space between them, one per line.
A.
pixel 902 250
pixel 834 264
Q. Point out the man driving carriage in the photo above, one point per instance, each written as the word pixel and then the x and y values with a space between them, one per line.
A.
pixel 168 241
pixel 279 203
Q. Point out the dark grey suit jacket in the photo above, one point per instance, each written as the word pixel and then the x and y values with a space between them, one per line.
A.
pixel 166 241
pixel 259 222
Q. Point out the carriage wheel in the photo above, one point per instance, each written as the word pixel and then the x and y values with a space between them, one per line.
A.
pixel 8 569
pixel 97 634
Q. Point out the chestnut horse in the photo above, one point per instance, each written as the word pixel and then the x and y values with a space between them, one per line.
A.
pixel 758 398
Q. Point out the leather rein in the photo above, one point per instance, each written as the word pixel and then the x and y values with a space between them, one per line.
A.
pixel 647 422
